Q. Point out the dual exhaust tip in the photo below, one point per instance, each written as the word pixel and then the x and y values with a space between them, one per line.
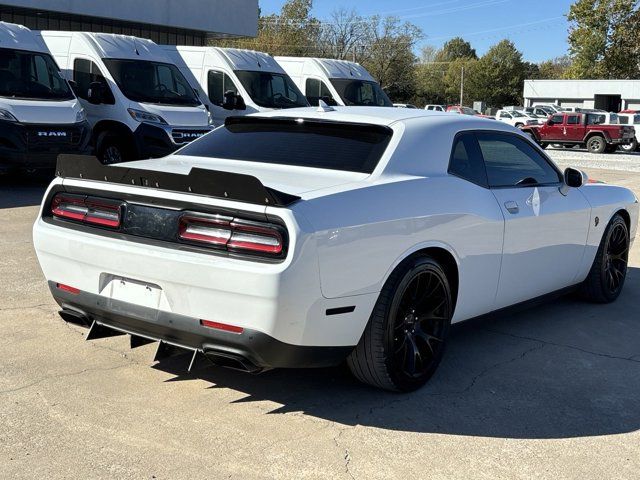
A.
pixel 217 357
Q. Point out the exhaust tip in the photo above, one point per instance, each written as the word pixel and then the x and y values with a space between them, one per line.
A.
pixel 75 317
pixel 232 361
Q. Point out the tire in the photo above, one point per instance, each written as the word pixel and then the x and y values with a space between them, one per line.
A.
pixel 596 144
pixel 112 149
pixel 383 356
pixel 609 270
pixel 519 125
pixel 544 146
pixel 630 147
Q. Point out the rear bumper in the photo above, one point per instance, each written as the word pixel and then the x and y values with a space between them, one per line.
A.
pixel 21 146
pixel 251 348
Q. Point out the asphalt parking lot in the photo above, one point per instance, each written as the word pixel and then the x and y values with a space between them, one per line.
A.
pixel 548 392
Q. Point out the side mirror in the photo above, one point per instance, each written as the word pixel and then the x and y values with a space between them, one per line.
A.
pixel 240 105
pixel 229 102
pixel 573 178
pixel 329 101
pixel 95 94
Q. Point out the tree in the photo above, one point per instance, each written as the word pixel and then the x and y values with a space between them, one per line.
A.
pixel 500 75
pixel 553 69
pixel 294 31
pixel 603 39
pixel 454 49
pixel 344 35
pixel 389 55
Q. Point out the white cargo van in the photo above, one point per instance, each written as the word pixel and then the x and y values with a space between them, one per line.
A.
pixel 336 82
pixel 232 81
pixel 137 101
pixel 40 117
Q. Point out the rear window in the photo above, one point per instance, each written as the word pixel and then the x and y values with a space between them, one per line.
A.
pixel 289 141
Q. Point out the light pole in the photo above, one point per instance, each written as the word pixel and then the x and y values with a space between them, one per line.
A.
pixel 461 86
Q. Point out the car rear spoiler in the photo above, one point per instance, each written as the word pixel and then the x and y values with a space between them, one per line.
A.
pixel 199 181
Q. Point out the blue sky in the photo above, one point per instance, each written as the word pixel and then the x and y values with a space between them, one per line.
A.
pixel 537 27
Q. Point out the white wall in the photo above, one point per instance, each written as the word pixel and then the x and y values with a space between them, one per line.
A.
pixel 581 92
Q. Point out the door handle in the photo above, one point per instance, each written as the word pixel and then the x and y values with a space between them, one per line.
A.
pixel 512 207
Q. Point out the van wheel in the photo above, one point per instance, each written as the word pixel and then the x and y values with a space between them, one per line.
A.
pixel 405 338
pixel 609 270
pixel 596 144
pixel 111 149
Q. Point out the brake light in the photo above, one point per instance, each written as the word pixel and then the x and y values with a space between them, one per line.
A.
pixel 221 326
pixel 95 211
pixel 67 288
pixel 232 234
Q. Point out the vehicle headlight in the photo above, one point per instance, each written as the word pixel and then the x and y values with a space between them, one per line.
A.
pixel 7 116
pixel 81 116
pixel 142 116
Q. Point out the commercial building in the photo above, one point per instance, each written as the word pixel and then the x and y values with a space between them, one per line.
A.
pixel 609 95
pixel 176 22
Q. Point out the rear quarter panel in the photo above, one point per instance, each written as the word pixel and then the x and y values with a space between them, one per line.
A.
pixel 363 234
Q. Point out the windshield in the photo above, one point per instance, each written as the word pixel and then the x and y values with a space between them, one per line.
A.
pixel 296 142
pixel 361 93
pixel 152 82
pixel 31 75
pixel 467 111
pixel 272 90
pixel 517 114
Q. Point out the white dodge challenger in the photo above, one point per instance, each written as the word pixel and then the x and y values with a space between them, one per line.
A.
pixel 306 237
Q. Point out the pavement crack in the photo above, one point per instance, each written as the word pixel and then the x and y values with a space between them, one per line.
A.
pixel 632 358
pixel 346 456
pixel 61 375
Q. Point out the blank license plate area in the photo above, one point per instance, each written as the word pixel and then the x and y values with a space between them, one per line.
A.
pixel 133 291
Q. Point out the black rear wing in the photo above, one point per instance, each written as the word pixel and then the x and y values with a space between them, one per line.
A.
pixel 199 181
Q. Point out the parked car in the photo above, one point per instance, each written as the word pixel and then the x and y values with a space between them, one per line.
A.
pixel 584 129
pixel 232 81
pixel 515 118
pixel 336 82
pixel 552 107
pixel 351 246
pixel 138 103
pixel 466 111
pixel 436 108
pixel 404 105
pixel 631 119
pixel 540 111
pixel 40 117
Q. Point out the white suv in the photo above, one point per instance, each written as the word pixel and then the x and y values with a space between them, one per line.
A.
pixel 515 118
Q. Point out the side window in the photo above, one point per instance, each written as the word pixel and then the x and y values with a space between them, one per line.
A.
pixel 315 90
pixel 466 161
pixel 573 120
pixel 511 161
pixel 623 120
pixel 86 72
pixel 218 83
pixel 504 115
pixel 557 119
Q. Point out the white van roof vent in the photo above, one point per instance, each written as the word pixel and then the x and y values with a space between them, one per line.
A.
pixel 323 107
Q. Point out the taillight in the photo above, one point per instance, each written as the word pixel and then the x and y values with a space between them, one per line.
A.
pixel 221 326
pixel 94 211
pixel 232 234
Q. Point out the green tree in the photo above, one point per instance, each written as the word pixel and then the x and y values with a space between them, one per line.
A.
pixel 389 56
pixel 553 69
pixel 454 49
pixel 603 39
pixel 500 74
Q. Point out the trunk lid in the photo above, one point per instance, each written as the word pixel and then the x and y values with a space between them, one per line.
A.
pixel 288 179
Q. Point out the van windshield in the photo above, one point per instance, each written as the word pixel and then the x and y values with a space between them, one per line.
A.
pixel 272 90
pixel 361 93
pixel 32 76
pixel 152 82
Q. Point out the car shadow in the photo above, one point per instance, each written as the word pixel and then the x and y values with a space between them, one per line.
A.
pixel 23 190
pixel 562 369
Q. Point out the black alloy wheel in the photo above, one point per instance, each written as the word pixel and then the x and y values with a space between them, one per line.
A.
pixel 616 257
